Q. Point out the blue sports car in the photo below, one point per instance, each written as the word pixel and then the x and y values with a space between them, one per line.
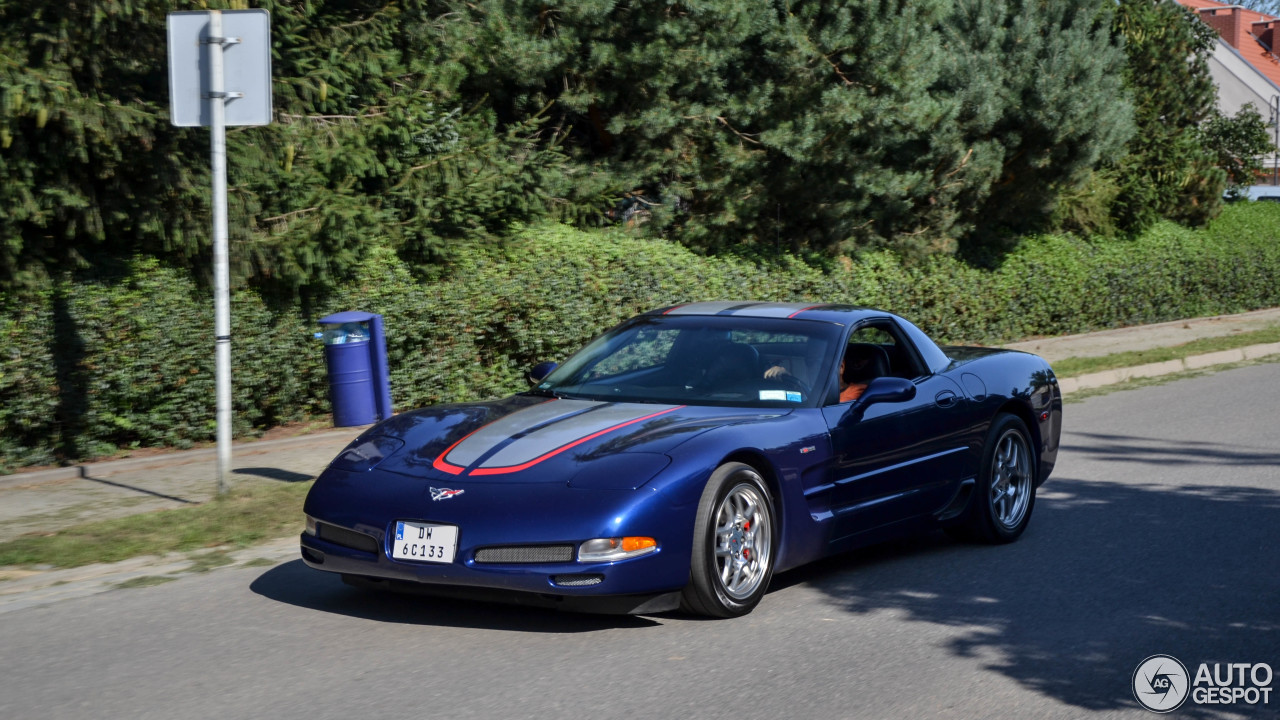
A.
pixel 682 458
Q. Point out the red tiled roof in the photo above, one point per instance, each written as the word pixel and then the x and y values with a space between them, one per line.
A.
pixel 1253 34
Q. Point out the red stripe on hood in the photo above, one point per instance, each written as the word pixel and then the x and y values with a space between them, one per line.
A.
pixel 562 448
pixel 447 467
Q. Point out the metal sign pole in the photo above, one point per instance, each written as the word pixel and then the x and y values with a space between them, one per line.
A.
pixel 198 72
pixel 221 281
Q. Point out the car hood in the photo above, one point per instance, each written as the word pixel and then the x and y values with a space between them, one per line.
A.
pixel 528 438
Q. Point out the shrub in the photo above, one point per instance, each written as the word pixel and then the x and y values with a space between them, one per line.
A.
pixel 92 365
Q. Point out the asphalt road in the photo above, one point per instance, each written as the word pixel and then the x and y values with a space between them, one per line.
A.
pixel 1158 533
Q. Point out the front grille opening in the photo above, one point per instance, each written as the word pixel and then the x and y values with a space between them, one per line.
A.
pixel 525 554
pixel 346 538
pixel 579 580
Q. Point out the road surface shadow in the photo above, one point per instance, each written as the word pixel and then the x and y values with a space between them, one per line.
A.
pixel 1130 449
pixel 274 474
pixel 296 584
pixel 86 476
pixel 1107 575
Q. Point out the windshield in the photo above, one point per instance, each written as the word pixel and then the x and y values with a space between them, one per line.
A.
pixel 699 360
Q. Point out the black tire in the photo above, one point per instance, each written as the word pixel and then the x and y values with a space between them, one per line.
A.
pixel 735 539
pixel 1004 492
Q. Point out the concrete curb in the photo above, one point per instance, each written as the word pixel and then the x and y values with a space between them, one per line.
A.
pixel 108 468
pixel 1194 362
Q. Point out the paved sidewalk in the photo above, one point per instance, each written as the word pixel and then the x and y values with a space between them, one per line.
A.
pixel 1147 337
pixel 43 501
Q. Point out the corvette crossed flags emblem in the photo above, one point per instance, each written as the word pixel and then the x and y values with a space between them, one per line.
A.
pixel 444 493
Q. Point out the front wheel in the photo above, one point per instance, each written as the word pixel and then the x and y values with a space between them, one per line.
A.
pixel 734 537
pixel 1005 493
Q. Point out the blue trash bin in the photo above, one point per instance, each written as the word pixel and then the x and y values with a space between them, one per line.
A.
pixel 355 353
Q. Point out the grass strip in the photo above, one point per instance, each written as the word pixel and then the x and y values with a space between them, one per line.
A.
pixel 1072 367
pixel 1139 383
pixel 243 517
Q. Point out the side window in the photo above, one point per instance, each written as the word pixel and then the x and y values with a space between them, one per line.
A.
pixel 904 362
pixel 875 349
pixel 872 334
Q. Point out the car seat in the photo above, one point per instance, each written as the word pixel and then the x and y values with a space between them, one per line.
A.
pixel 732 364
pixel 864 362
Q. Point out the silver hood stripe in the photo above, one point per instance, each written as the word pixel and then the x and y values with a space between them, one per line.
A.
pixel 526 438
pixel 549 437
pixel 484 440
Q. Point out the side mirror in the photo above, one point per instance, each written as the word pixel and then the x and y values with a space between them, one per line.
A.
pixel 880 390
pixel 540 371
pixel 888 389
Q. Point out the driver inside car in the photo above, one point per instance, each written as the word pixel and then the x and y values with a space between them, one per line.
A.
pixel 857 364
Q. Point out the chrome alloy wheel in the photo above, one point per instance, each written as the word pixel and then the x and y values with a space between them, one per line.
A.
pixel 744 541
pixel 1010 479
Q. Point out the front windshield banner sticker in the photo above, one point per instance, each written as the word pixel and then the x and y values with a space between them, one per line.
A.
pixel 1161 684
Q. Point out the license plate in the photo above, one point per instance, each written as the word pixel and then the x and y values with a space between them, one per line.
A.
pixel 424 542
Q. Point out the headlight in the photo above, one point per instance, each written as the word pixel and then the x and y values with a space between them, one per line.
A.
pixel 620 548
pixel 311 525
pixel 365 453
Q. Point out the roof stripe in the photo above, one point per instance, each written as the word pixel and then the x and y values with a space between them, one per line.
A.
pixel 741 306
pixel 811 307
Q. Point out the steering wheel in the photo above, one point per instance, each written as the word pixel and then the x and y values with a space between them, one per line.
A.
pixel 790 382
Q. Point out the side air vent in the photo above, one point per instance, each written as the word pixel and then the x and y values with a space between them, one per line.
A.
pixel 525 554
pixel 576 580
pixel 346 538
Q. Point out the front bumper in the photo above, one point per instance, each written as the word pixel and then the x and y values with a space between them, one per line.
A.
pixel 626 586
pixel 355 515
pixel 355 574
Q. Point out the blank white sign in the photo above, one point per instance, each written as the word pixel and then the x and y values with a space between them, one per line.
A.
pixel 246 67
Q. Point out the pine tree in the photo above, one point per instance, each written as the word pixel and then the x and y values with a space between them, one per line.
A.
pixel 1043 103
pixel 87 160
pixel 372 143
pixel 1168 171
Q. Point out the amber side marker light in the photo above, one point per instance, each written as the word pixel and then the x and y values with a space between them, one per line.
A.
pixel 619 548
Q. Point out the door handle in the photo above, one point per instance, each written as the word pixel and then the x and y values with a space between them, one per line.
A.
pixel 945 399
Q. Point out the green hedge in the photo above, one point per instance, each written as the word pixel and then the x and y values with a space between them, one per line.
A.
pixel 91 366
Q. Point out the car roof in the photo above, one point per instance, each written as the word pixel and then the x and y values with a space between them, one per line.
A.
pixel 934 358
pixel 827 312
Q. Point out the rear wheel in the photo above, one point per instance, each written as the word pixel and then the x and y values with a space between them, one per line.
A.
pixel 1005 492
pixel 734 538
